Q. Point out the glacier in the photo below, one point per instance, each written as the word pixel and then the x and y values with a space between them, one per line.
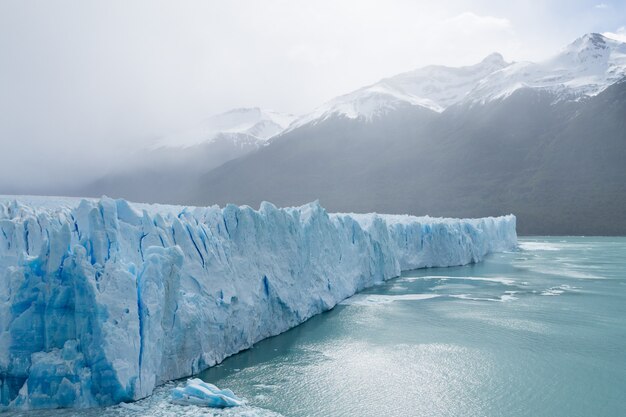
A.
pixel 103 300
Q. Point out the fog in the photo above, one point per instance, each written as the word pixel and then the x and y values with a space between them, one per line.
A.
pixel 85 86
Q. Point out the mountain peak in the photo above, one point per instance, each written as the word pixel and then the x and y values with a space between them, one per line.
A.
pixel 583 68
pixel 434 87
pixel 593 52
pixel 589 41
pixel 594 36
pixel 494 58
pixel 593 43
pixel 259 123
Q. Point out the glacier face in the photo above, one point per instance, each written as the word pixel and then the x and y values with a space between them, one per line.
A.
pixel 102 300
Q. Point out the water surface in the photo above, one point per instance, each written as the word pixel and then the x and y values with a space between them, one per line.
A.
pixel 537 332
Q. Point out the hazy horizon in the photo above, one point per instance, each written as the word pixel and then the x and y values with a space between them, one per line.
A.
pixel 86 83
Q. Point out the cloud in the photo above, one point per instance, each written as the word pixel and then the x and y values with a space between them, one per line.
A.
pixel 618 35
pixel 315 54
pixel 601 6
pixel 471 22
pixel 472 35
pixel 87 83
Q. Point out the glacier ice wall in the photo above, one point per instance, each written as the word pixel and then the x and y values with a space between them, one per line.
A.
pixel 102 300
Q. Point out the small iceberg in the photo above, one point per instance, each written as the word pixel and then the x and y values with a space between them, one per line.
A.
pixel 197 392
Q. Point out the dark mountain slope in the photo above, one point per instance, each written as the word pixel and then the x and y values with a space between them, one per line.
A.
pixel 560 166
pixel 162 175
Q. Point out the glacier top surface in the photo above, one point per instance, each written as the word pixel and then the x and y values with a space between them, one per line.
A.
pixel 55 203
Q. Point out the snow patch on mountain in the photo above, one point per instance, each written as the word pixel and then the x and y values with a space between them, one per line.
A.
pixel 586 67
pixel 239 125
pixel 434 87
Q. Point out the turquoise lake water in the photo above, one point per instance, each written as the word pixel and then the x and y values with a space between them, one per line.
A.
pixel 536 332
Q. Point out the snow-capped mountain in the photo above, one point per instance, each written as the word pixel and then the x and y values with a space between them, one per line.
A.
pixel 545 141
pixel 240 125
pixel 584 68
pixel 491 138
pixel 434 87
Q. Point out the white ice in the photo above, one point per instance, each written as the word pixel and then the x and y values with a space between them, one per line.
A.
pixel 103 300
pixel 197 392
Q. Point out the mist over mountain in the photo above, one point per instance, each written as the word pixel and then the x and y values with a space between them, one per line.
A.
pixel 164 173
pixel 546 141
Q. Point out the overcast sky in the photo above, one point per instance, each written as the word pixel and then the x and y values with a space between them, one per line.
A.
pixel 82 82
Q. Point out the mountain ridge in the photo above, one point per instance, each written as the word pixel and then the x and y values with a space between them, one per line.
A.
pixel 544 160
pixel 527 151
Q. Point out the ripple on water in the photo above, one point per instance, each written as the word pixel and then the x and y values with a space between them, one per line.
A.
pixel 500 280
pixel 503 298
pixel 533 246
pixel 558 290
pixel 402 380
pixel 377 299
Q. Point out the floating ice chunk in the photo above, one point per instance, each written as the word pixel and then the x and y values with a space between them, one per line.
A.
pixel 131 406
pixel 558 290
pixel 508 296
pixel 200 393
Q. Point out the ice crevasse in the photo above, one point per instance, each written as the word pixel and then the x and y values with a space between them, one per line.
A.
pixel 102 300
